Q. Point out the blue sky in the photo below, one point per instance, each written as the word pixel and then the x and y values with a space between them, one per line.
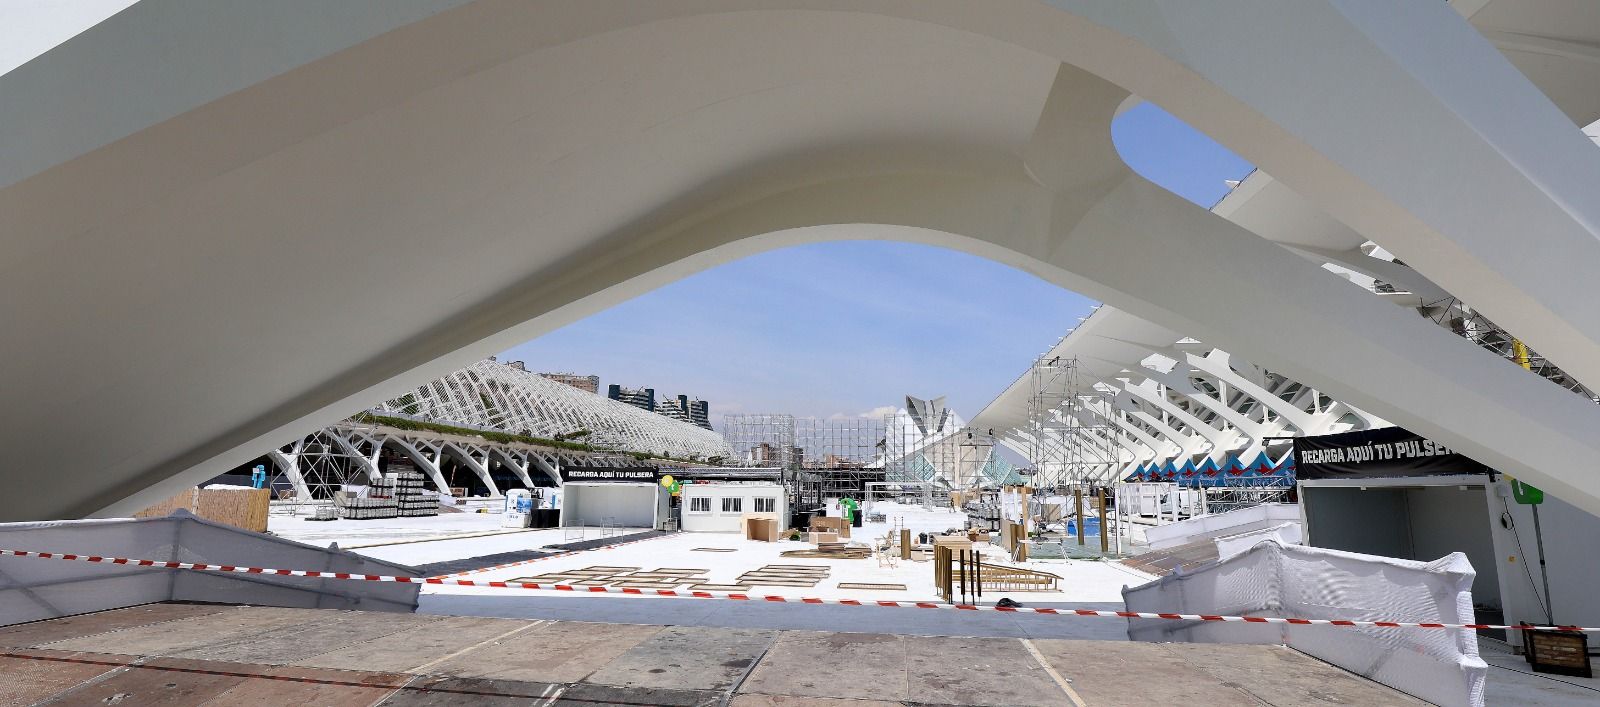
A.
pixel 845 328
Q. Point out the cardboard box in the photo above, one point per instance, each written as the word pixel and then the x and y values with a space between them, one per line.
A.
pixel 828 524
pixel 761 528
pixel 819 538
pixel 241 508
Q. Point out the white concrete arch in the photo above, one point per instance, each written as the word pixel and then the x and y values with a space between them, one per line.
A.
pixel 517 461
pixel 475 460
pixel 425 455
pixel 650 140
pixel 350 442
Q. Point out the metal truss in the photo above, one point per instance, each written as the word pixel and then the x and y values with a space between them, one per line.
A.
pixel 1066 446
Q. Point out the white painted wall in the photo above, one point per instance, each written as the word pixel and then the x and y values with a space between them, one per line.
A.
pixel 715 519
pixel 628 505
pixel 1569 536
pixel 1388 519
pixel 1414 519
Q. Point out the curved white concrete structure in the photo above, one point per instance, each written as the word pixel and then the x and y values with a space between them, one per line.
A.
pixel 189 188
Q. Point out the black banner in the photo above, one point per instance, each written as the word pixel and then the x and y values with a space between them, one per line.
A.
pixel 590 474
pixel 1382 453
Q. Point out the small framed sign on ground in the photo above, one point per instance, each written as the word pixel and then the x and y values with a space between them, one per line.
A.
pixel 1558 652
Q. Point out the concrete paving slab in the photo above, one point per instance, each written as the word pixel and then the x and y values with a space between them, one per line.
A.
pixel 254 693
pixel 787 701
pixel 857 666
pixel 449 692
pixel 30 676
pixel 564 652
pixel 177 683
pixel 783 617
pixel 687 658
pixel 591 695
pixel 978 671
pixel 262 685
pixel 1112 673
pixel 1279 675
pixel 1073 627
pixel 285 645
pixel 1511 682
pixel 304 686
pixel 408 650
pixel 41 632
pixel 458 660
pixel 172 637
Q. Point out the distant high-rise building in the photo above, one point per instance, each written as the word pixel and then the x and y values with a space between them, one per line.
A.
pixel 589 383
pixel 691 410
pixel 643 398
pixel 680 407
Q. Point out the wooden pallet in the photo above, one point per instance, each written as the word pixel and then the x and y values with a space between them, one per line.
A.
pixel 713 549
pixel 786 575
pixel 848 553
pixel 721 587
pixel 869 585
pixel 762 581
pixel 603 576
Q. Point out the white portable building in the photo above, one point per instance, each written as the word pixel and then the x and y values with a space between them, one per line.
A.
pixel 719 506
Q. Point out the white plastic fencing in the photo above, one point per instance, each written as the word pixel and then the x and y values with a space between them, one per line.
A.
pixel 1215 525
pixel 1230 545
pixel 34 589
pixel 1275 579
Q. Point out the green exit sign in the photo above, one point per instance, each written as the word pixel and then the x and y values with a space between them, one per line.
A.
pixel 1526 494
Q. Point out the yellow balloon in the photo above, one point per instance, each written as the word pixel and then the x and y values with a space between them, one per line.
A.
pixel 666 480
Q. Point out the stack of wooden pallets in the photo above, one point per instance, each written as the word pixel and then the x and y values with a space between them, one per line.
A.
pixel 627 577
pixel 786 575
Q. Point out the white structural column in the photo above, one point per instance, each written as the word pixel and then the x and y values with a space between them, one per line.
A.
pixel 426 455
pixel 1150 391
pixel 350 442
pixel 517 462
pixel 1112 414
pixel 289 464
pixel 1187 444
pixel 547 464
pixel 1241 424
pixel 1495 204
pixel 1215 364
pixel 475 460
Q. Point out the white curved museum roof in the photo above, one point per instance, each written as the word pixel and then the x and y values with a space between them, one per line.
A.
pixel 504 396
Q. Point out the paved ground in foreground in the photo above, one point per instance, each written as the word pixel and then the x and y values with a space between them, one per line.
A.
pixel 717 613
pixel 180 654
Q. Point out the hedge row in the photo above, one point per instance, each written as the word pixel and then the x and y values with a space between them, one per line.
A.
pixel 501 437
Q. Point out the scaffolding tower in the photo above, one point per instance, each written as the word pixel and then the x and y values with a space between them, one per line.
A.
pixel 323 466
pixel 765 441
pixel 1068 434
pixel 820 458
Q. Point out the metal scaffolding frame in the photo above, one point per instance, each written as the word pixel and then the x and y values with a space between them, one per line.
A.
pixel 761 440
pixel 1067 432
pixel 820 458
pixel 314 467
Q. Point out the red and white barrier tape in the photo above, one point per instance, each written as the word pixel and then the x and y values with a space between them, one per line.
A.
pixel 551 556
pixel 768 598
